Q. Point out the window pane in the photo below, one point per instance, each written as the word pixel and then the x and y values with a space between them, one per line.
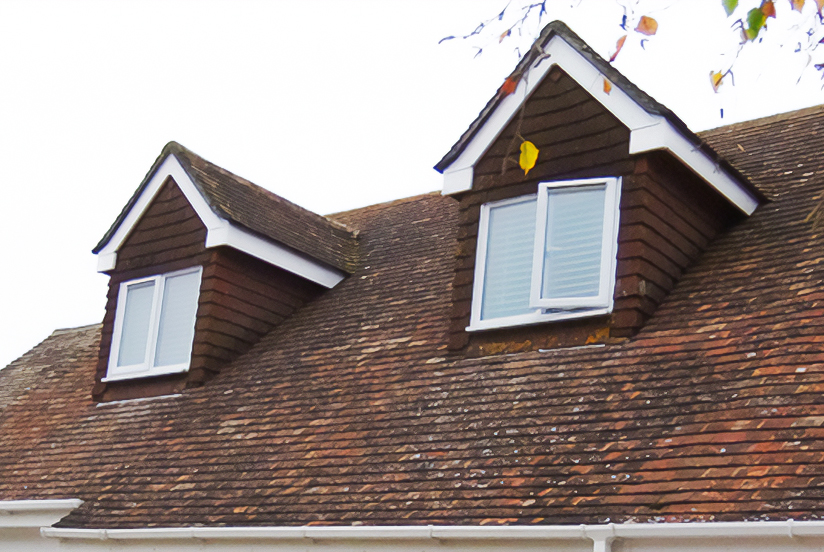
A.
pixel 574 232
pixel 177 319
pixel 509 249
pixel 135 333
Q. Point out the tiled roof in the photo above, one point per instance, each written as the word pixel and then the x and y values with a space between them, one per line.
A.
pixel 259 210
pixel 351 411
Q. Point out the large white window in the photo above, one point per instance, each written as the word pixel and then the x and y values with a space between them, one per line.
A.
pixel 549 256
pixel 154 325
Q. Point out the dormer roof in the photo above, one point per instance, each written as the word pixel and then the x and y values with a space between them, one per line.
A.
pixel 241 215
pixel 652 125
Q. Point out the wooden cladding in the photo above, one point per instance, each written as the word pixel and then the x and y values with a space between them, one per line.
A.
pixel 241 297
pixel 667 215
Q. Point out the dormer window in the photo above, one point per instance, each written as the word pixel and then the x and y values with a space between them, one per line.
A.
pixel 154 325
pixel 549 256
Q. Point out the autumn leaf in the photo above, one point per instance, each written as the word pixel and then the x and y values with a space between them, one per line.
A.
pixel 729 6
pixel 510 84
pixel 504 34
pixel 755 22
pixel 529 156
pixel 607 86
pixel 820 5
pixel 768 8
pixel 797 5
pixel 618 46
pixel 647 26
pixel 715 80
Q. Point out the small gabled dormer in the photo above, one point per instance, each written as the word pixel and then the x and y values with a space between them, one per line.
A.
pixel 202 264
pixel 583 248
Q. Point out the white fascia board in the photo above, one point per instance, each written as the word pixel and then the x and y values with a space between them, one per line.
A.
pixel 595 533
pixel 35 513
pixel 664 136
pixel 275 254
pixel 219 231
pixel 654 131
pixel 107 257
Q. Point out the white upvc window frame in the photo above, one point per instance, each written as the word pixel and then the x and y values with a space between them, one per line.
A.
pixel 147 367
pixel 609 243
pixel 549 310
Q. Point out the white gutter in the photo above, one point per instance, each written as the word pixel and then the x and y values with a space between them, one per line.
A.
pixel 35 513
pixel 601 536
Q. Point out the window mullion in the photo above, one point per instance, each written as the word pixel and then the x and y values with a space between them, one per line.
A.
pixel 539 245
pixel 151 346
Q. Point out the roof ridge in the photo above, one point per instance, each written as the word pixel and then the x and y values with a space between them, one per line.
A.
pixel 768 119
pixel 385 204
pixel 77 329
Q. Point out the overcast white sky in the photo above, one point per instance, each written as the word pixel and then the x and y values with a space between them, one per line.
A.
pixel 331 104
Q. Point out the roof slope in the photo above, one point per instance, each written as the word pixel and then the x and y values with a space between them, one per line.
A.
pixel 257 209
pixel 351 411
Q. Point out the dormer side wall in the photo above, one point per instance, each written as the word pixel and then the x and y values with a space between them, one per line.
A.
pixel 667 215
pixel 241 298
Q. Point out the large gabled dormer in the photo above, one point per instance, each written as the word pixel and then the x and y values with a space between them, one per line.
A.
pixel 202 263
pixel 583 248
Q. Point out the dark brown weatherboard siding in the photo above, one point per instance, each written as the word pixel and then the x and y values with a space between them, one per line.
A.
pixel 351 412
pixel 667 215
pixel 241 299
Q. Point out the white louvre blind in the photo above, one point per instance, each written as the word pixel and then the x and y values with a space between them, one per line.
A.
pixel 508 267
pixel 177 319
pixel 136 321
pixel 574 234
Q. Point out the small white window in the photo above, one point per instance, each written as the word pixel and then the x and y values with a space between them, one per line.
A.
pixel 154 325
pixel 549 256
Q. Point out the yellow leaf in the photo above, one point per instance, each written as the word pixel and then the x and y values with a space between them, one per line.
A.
pixel 529 156
pixel 820 5
pixel 715 80
pixel 797 5
pixel 607 86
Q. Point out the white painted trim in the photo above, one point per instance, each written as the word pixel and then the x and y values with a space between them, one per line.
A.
pixel 596 533
pixel 275 254
pixel 609 245
pixel 555 311
pixel 664 136
pixel 219 231
pixel 147 368
pixel 661 134
pixel 479 277
pixel 35 513
pixel 170 167
pixel 532 318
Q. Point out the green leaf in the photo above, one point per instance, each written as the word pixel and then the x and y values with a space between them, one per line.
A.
pixel 755 22
pixel 729 6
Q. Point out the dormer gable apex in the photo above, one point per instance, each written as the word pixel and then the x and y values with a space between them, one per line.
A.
pixel 652 126
pixel 242 216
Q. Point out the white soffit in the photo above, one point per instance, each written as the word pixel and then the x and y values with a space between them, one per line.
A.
pixel 647 131
pixel 219 231
pixel 35 513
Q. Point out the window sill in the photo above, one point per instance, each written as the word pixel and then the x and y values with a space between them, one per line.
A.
pixel 534 318
pixel 140 375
